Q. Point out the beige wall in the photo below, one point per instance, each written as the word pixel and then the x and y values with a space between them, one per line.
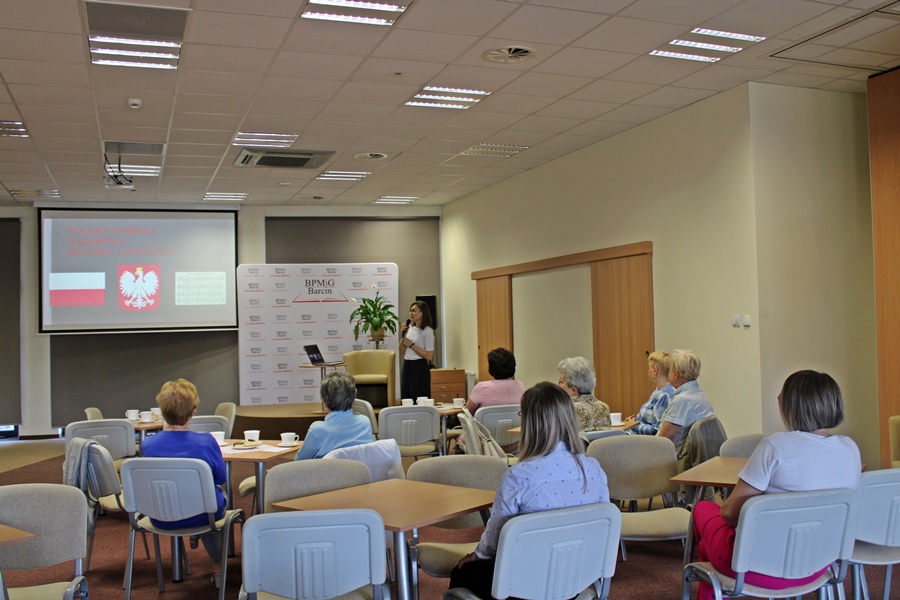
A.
pixel 814 240
pixel 687 183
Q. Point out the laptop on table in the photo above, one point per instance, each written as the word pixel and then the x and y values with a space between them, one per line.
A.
pixel 316 357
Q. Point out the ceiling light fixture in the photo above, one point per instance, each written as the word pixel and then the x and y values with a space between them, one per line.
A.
pixel 728 34
pixel 704 46
pixel 264 140
pixel 140 170
pixel 224 197
pixel 343 175
pixel 445 97
pixel 355 11
pixel 13 129
pixel 35 193
pixel 682 56
pixel 396 200
pixel 133 52
pixel 493 150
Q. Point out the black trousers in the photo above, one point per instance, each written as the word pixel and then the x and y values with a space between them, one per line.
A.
pixel 415 379
pixel 477 576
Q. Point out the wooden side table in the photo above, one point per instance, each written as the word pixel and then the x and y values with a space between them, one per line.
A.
pixel 447 384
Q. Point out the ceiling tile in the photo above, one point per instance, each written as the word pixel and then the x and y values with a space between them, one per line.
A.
pixel 472 17
pixel 331 37
pixel 284 107
pixel 396 71
pixel 766 17
pixel 301 89
pixel 220 84
pixel 549 25
pixel 42 46
pixel 375 93
pixel 721 77
pixel 44 73
pixel 245 30
pixel 577 109
pixel 673 97
pixel 684 13
pixel 632 113
pixel 427 46
pixel 617 92
pixel 542 84
pixel 224 59
pixel 584 62
pixel 656 69
pixel 308 65
pixel 630 35
pixel 516 104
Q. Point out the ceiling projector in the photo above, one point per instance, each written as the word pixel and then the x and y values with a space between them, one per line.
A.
pixel 119 182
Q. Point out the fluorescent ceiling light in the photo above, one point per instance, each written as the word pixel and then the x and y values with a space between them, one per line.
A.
pixel 135 53
pixel 130 52
pixel 343 175
pixel 697 57
pixel 448 98
pixel 704 46
pixel 13 129
pixel 225 197
pixel 444 97
pixel 35 193
pixel 133 42
pixel 396 200
pixel 125 63
pixel 346 18
pixel 360 5
pixel 493 150
pixel 728 34
pixel 265 140
pixel 431 88
pixel 436 105
pixel 138 170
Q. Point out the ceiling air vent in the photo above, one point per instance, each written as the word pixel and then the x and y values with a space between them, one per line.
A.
pixel 294 159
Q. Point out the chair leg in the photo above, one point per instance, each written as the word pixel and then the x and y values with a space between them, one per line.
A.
pixel 887 582
pixel 146 546
pixel 159 570
pixel 129 565
pixel 622 548
pixel 184 557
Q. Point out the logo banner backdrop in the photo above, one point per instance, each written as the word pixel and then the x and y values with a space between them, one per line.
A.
pixel 282 308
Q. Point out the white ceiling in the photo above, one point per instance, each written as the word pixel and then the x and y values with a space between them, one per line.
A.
pixel 255 66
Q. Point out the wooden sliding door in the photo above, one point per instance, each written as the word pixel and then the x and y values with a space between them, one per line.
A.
pixel 495 329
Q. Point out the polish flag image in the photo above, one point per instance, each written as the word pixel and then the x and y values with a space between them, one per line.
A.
pixel 77 289
pixel 138 287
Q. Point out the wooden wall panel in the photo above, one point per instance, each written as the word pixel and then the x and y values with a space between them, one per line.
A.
pixel 884 160
pixel 622 299
pixel 495 326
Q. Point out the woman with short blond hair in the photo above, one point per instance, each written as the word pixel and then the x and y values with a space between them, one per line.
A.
pixel 651 413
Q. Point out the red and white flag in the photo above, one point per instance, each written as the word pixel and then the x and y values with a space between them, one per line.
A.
pixel 77 289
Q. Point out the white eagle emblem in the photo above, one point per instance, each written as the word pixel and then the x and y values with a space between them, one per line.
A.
pixel 139 287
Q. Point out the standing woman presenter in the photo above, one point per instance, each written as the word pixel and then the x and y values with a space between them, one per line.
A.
pixel 417 346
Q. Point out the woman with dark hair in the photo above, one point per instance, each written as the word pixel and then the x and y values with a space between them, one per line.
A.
pixel 805 458
pixel 502 389
pixel 553 472
pixel 417 345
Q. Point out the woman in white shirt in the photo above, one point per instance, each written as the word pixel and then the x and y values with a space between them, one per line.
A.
pixel 417 346
pixel 805 458
pixel 553 472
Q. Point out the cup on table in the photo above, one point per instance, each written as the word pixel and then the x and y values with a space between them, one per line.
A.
pixel 219 435
pixel 615 418
pixel 459 402
pixel 420 398
pixel 157 412
pixel 406 402
pixel 251 435
pixel 289 438
pixel 426 401
pixel 146 416
pixel 133 415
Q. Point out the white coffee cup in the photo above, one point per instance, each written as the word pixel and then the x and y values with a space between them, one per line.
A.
pixel 157 412
pixel 615 418
pixel 219 435
pixel 406 402
pixel 426 401
pixel 146 416
pixel 459 402
pixel 251 435
pixel 420 398
pixel 289 439
pixel 133 414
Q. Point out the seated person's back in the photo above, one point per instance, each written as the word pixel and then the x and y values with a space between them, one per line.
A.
pixel 341 427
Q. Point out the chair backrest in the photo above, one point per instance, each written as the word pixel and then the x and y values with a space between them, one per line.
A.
pixel 409 425
pixel 741 446
pixel 703 441
pixel 317 554
pixel 57 516
pixel 369 362
pixel 894 436
pixel 168 489
pixel 102 479
pixel 879 516
pixel 116 435
pixel 473 441
pixel 557 553
pixel 636 466
pixel 381 457
pixel 499 419
pixel 468 471
pixel 363 407
pixel 209 423
pixel 307 477
pixel 92 413
pixel 229 411
pixel 795 534
pixel 590 436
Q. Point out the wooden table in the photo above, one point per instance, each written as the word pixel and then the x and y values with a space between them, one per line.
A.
pixel 144 426
pixel 720 471
pixel 446 410
pixel 259 458
pixel 624 426
pixel 404 505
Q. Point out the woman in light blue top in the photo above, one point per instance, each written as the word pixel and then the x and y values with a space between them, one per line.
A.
pixel 552 472
pixel 341 428
pixel 650 415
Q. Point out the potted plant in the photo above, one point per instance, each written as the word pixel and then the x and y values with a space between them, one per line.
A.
pixel 374 315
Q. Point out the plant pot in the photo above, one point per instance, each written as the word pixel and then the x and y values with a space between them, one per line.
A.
pixel 376 335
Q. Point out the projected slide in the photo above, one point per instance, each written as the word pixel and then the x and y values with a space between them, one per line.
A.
pixel 104 270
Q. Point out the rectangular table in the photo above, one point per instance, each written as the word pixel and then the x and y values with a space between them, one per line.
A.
pixel 404 505
pixel 259 458
pixel 720 471
pixel 623 426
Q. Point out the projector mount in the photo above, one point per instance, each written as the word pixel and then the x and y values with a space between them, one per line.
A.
pixel 113 176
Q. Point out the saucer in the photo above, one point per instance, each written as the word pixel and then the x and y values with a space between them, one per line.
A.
pixel 291 445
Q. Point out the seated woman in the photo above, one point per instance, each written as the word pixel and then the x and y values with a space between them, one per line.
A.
pixel 650 415
pixel 341 428
pixel 689 403
pixel 502 389
pixel 805 458
pixel 178 400
pixel 576 377
pixel 552 472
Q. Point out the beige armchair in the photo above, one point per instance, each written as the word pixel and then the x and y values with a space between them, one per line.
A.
pixel 373 367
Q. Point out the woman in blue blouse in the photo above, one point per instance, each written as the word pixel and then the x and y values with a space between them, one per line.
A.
pixel 553 472
pixel 650 415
